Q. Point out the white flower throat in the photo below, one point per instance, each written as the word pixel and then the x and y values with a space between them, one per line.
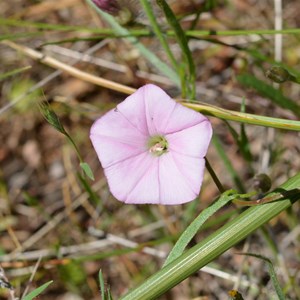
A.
pixel 157 145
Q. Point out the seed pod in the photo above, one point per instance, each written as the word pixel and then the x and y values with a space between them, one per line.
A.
pixel 278 74
pixel 262 182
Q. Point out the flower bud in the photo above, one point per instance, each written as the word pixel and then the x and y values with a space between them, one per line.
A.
pixel 109 6
pixel 278 74
pixel 262 182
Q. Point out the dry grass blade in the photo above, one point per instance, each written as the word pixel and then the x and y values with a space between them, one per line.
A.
pixel 69 69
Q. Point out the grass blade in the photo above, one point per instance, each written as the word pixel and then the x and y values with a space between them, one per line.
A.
pixel 194 227
pixel 227 163
pixel 158 32
pixel 214 245
pixel 183 43
pixel 270 92
pixel 152 58
pixel 272 273
pixel 37 291
pixel 3 76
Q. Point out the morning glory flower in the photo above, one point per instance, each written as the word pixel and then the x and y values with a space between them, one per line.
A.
pixel 152 148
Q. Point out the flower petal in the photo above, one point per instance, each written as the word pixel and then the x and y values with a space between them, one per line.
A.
pixel 133 109
pixel 182 118
pixel 135 180
pixel 191 169
pixel 115 139
pixel 147 187
pixel 192 141
pixel 174 187
pixel 159 107
pixel 121 140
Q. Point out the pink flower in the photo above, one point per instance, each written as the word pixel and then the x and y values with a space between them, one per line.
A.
pixel 152 149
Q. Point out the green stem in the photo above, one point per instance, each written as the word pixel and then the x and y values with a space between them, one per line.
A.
pixel 75 147
pixel 228 165
pixel 213 246
pixel 157 30
pixel 190 70
pixel 214 176
pixel 246 118
pixel 142 32
pixel 150 56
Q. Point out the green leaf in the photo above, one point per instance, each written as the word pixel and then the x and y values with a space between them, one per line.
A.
pixel 268 91
pixel 37 291
pixel 102 285
pixel 272 272
pixel 87 170
pixel 105 292
pixel 19 35
pixel 150 56
pixel 158 32
pixel 214 245
pixel 183 43
pixel 227 163
pixel 194 227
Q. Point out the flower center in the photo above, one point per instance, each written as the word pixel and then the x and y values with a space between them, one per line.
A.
pixel 157 145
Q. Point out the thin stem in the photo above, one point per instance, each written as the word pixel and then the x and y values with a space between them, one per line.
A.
pixel 141 32
pixel 214 176
pixel 202 107
pixel 157 30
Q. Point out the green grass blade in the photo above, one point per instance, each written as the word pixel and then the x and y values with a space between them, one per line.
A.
pixel 19 35
pixel 3 76
pixel 228 165
pixel 158 32
pixel 102 285
pixel 37 291
pixel 183 43
pixel 194 227
pixel 270 92
pixel 141 32
pixel 150 56
pixel 214 245
pixel 272 273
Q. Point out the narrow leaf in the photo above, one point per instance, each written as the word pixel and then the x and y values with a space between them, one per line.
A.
pixel 272 273
pixel 227 163
pixel 194 227
pixel 37 291
pixel 87 170
pixel 266 90
pixel 13 72
pixel 183 43
pixel 152 58
pixel 214 245
pixel 102 285
pixel 158 32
